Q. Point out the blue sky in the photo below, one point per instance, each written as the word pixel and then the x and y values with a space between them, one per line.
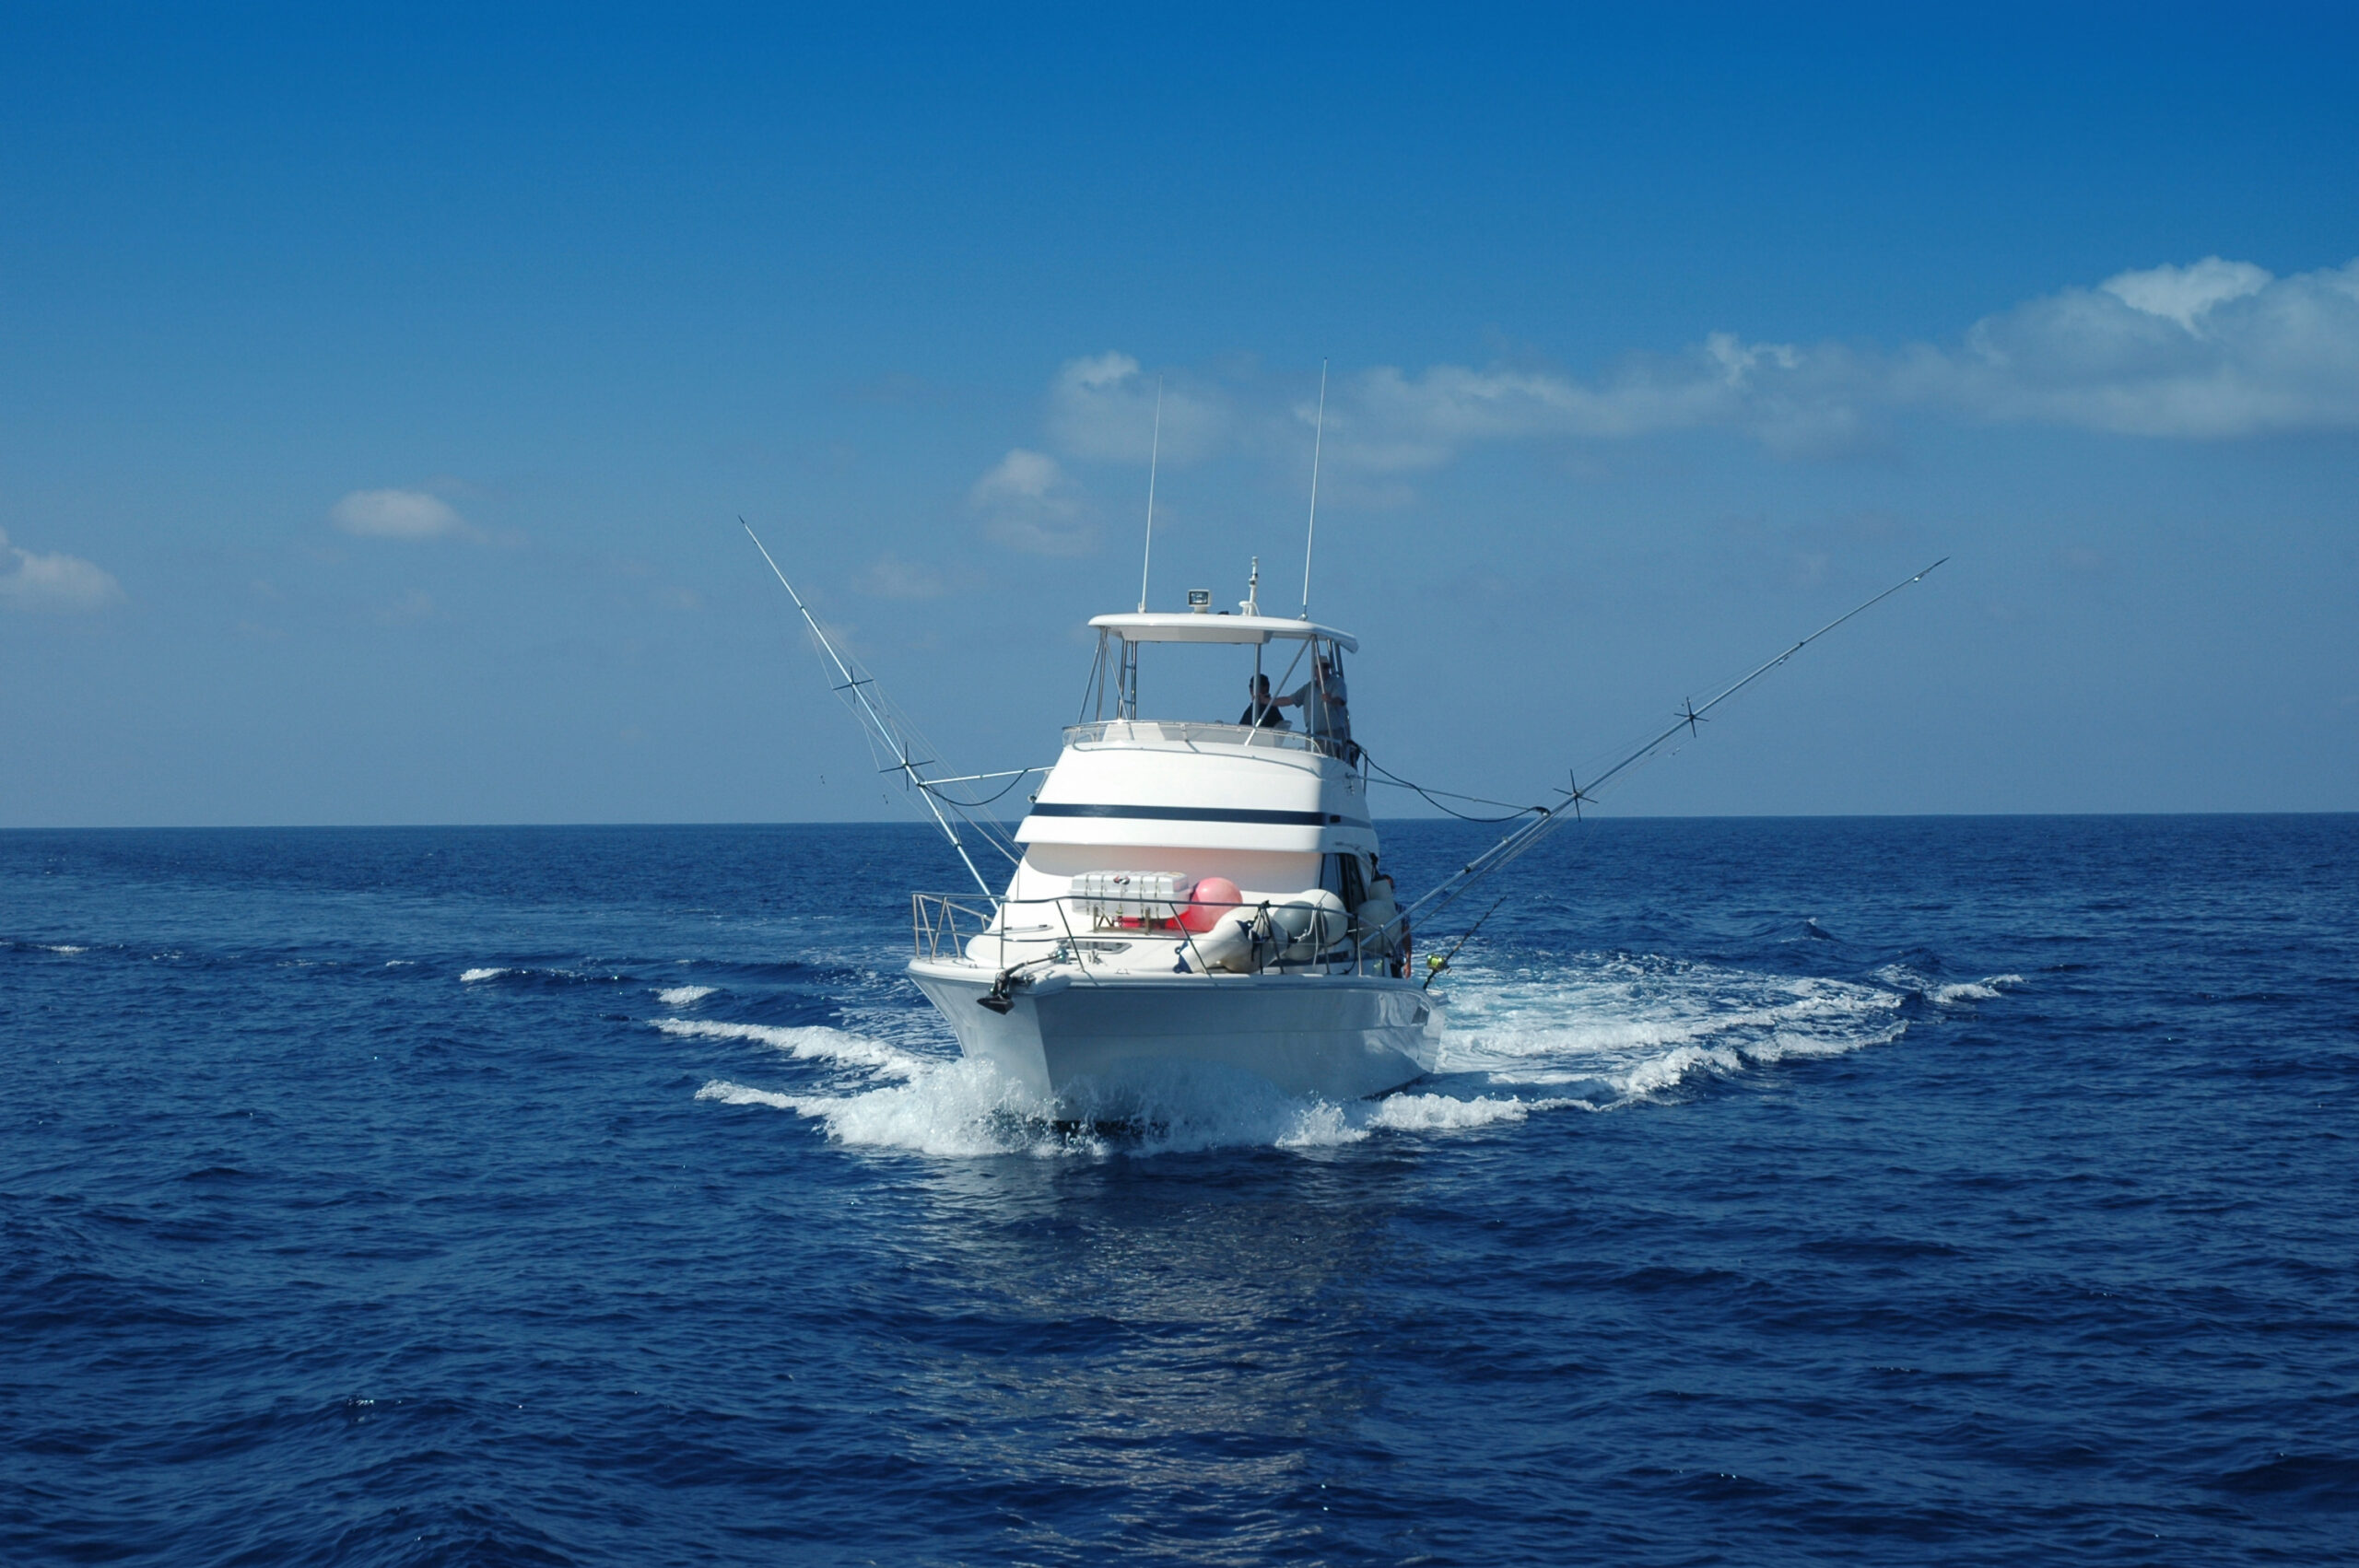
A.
pixel 378 393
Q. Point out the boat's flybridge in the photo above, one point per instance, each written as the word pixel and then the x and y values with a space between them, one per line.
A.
pixel 1187 842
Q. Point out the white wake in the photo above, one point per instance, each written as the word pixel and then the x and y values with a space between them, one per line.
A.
pixel 1588 1033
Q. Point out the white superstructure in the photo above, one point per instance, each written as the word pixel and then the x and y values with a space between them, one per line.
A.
pixel 1192 891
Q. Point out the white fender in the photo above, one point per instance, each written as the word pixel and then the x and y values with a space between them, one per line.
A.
pixel 1227 946
pixel 1315 921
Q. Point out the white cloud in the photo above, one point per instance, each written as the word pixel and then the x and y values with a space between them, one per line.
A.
pixel 30 581
pixel 1388 422
pixel 1102 409
pixel 2184 294
pixel 395 514
pixel 1028 503
pixel 2213 350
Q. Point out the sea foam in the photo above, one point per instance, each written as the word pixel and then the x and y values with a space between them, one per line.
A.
pixel 814 1043
pixel 1954 994
pixel 1592 1033
pixel 1621 1028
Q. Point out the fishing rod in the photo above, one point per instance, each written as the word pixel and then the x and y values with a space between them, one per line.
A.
pixel 1549 819
pixel 1436 962
pixel 889 732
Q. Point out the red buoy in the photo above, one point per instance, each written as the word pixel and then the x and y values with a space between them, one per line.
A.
pixel 1214 896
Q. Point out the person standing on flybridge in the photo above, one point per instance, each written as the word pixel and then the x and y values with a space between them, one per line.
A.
pixel 1260 709
pixel 1323 703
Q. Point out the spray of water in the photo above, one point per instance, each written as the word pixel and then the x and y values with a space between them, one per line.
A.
pixel 1587 1035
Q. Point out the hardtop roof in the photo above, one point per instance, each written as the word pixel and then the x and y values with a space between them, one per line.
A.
pixel 1187 625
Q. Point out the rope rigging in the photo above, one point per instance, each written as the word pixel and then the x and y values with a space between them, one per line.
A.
pixel 1014 778
pixel 1386 776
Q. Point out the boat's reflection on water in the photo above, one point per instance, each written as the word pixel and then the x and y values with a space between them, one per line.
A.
pixel 1128 1348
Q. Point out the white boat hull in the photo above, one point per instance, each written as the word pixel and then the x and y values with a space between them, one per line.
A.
pixel 1067 1032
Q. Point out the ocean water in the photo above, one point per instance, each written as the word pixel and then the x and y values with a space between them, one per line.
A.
pixel 1959 1191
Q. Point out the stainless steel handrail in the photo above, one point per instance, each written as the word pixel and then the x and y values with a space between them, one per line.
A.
pixel 1195 731
pixel 934 926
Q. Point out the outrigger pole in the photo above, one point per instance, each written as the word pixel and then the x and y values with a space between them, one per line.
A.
pixel 1310 533
pixel 1549 819
pixel 884 729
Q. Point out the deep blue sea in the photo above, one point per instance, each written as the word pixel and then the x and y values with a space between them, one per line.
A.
pixel 1796 1191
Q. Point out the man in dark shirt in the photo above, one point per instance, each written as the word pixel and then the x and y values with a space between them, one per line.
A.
pixel 1259 709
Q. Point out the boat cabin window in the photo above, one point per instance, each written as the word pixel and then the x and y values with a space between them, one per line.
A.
pixel 1287 683
pixel 1347 877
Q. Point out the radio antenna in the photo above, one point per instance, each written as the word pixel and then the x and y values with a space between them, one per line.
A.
pixel 1154 451
pixel 1310 535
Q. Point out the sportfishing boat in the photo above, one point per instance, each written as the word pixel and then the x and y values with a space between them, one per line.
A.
pixel 1192 892
pixel 1190 896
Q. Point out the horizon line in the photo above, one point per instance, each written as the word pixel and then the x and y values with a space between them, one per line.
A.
pixel 926 826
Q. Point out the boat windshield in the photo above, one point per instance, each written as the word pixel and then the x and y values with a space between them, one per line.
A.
pixel 1284 684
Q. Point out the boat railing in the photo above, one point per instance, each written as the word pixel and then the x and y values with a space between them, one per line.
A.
pixel 1191 732
pixel 940 921
pixel 944 927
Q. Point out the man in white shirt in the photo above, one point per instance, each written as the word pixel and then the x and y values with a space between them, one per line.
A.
pixel 1323 703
